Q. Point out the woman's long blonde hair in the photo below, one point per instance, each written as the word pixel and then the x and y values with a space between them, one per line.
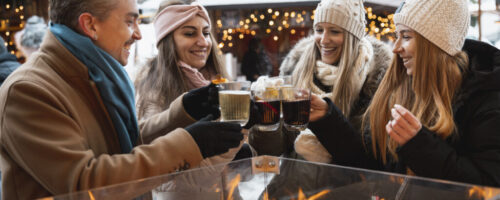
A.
pixel 428 94
pixel 343 92
pixel 161 80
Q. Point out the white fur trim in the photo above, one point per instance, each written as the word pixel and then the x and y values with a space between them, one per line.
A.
pixel 309 147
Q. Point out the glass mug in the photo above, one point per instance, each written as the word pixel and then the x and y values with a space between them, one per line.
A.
pixel 234 101
pixel 269 108
pixel 296 108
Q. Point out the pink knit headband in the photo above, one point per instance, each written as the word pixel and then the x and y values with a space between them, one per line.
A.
pixel 172 17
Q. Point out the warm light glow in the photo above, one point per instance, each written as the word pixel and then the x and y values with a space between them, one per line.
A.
pixel 287 14
pixel 6 44
pixel 7 6
pixel 284 22
pixel 269 10
pixel 12 52
pixel 246 26
pixel 253 33
pixel 21 17
pixel 292 31
pixel 271 23
pixel 242 36
pixel 247 21
pixel 241 23
pixel 91 196
pixel 229 38
pixel 280 28
pixel 262 16
pixel 292 14
pixel 219 21
pixel 230 30
pixel 275 38
pixel 268 31
pixel 221 45
pixel 17 10
pixel 225 32
pixel 255 19
pixel 21 7
pixel 277 13
pixel 230 44
pixel 7 33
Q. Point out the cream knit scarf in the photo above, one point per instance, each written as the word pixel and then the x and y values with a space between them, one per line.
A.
pixel 328 74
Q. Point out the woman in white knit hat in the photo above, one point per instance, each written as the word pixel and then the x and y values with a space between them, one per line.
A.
pixel 339 62
pixel 437 111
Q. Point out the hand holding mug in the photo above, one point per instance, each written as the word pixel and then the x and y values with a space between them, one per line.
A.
pixel 319 108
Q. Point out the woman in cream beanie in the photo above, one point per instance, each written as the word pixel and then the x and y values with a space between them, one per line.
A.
pixel 339 62
pixel 436 113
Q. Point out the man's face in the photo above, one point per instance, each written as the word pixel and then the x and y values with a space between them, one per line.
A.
pixel 119 30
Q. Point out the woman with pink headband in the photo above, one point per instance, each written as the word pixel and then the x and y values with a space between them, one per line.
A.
pixel 187 57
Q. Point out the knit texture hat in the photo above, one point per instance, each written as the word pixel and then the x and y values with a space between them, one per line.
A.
pixel 442 22
pixel 348 14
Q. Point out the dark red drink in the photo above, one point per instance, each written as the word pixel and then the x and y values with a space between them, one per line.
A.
pixel 269 112
pixel 296 112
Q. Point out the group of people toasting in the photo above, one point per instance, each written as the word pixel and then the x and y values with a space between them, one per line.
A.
pixel 71 120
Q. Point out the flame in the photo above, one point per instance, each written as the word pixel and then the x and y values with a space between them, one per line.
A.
pixel 233 183
pixel 91 196
pixel 481 192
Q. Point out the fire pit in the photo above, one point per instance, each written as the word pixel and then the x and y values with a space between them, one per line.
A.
pixel 267 178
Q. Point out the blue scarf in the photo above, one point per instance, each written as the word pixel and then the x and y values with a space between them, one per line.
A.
pixel 112 81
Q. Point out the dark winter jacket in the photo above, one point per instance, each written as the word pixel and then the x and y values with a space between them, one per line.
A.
pixel 472 155
pixel 8 63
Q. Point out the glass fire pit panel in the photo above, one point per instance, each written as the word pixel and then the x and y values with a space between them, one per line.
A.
pixel 267 177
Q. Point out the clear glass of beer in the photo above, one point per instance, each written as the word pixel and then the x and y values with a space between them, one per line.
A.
pixel 269 108
pixel 296 108
pixel 234 101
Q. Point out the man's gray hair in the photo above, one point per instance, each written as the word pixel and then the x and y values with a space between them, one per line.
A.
pixel 67 12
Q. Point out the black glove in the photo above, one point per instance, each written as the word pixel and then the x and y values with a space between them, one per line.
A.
pixel 214 138
pixel 254 115
pixel 202 101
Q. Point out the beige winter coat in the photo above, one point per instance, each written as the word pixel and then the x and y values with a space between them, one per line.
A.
pixel 56 136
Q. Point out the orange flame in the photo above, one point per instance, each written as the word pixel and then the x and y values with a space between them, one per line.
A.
pixel 233 183
pixel 481 192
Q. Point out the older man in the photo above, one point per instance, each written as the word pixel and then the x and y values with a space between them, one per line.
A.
pixel 67 118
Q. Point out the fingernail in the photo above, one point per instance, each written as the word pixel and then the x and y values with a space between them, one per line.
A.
pixel 397 106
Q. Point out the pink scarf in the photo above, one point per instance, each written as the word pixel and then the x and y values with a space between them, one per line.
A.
pixel 194 78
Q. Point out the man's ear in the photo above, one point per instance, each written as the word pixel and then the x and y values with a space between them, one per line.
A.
pixel 86 23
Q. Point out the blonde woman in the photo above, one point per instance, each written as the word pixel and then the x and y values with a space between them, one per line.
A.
pixel 437 111
pixel 339 62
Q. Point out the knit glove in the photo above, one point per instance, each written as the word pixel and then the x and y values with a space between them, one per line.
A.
pixel 202 101
pixel 214 138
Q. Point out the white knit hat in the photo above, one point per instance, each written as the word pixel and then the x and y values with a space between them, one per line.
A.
pixel 442 22
pixel 348 14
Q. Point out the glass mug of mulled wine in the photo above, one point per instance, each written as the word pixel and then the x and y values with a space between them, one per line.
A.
pixel 268 103
pixel 234 101
pixel 296 108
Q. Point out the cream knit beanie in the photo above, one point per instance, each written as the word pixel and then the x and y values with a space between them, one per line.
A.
pixel 442 22
pixel 348 14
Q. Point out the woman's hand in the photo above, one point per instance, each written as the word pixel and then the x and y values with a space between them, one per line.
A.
pixel 319 107
pixel 404 125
